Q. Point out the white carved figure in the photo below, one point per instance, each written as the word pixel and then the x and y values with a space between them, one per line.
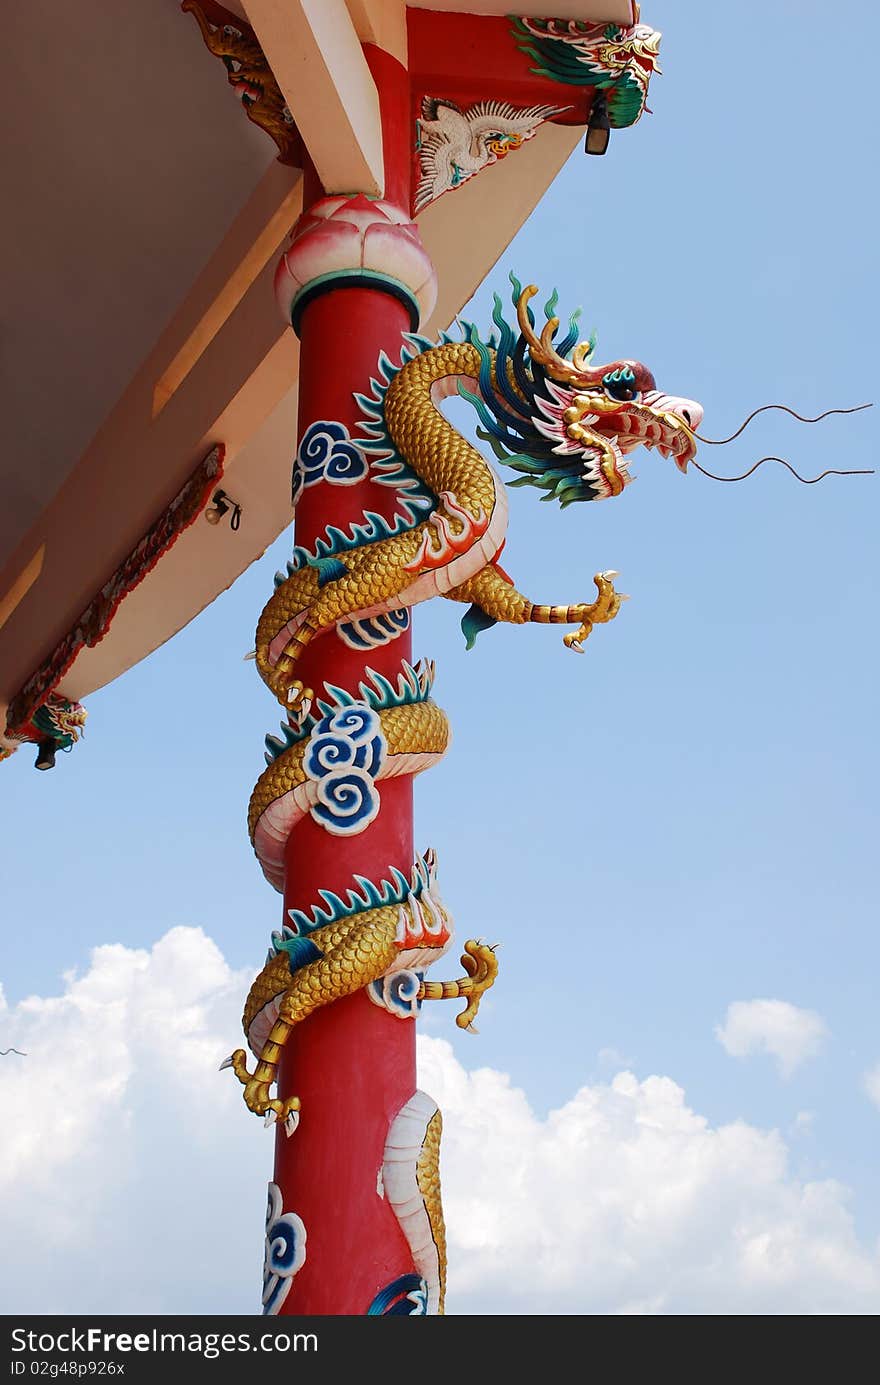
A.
pixel 456 143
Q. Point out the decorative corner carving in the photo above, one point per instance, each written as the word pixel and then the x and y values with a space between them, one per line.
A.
pixel 249 74
pixel 454 142
pixel 55 724
pixel 617 60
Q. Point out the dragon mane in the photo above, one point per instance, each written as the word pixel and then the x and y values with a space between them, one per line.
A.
pixel 517 393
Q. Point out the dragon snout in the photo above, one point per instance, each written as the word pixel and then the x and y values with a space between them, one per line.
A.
pixel 688 410
pixel 679 419
pixel 691 414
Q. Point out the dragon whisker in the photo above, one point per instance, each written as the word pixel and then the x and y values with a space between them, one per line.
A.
pixel 804 480
pixel 720 442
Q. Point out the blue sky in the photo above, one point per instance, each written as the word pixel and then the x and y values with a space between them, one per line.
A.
pixel 685 817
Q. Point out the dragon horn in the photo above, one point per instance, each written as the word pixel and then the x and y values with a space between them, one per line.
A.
pixel 542 350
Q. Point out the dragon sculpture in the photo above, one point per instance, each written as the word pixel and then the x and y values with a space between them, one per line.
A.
pixel 57 724
pixel 565 426
pixel 617 61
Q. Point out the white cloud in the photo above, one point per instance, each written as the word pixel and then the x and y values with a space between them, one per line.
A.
pixel 122 1143
pixel 872 1084
pixel 627 1201
pixel 133 1180
pixel 789 1034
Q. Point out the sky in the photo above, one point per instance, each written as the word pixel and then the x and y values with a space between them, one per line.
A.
pixel 673 1103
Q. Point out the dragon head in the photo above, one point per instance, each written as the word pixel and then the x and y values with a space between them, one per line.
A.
pixel 615 60
pixel 56 724
pixel 619 49
pixel 566 425
pixel 65 720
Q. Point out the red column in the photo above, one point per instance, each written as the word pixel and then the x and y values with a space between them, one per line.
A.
pixel 351 1063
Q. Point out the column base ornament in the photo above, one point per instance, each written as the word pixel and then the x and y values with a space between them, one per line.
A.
pixel 355 242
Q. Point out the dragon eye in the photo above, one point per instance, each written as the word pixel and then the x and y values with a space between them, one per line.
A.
pixel 620 384
pixel 622 390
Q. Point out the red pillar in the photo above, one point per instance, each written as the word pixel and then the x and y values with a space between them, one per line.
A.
pixel 352 1064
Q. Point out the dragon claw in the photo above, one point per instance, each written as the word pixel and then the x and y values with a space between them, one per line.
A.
pixel 257 1092
pixel 481 965
pixel 598 612
pixel 299 702
pixel 227 1063
pixel 257 1099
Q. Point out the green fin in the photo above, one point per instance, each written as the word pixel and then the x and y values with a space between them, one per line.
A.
pixel 473 622
pixel 300 951
pixel 328 569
